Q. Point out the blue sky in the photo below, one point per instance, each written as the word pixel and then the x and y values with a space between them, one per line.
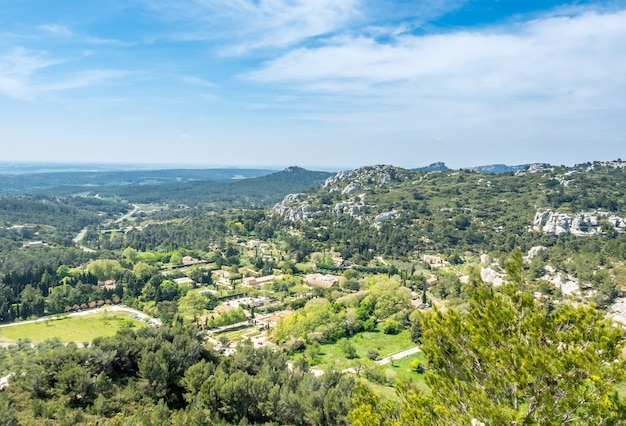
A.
pixel 315 83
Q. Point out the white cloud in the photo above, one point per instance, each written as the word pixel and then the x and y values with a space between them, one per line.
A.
pixel 62 31
pixel 242 26
pixel 540 58
pixel 245 25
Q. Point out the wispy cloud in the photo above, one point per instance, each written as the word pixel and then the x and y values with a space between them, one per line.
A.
pixel 25 75
pixel 56 29
pixel 242 26
pixel 245 25
pixel 78 37
pixel 557 79
pixel 196 81
pixel 84 79
pixel 17 66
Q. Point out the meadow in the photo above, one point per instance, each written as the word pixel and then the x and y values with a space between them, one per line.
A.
pixel 83 328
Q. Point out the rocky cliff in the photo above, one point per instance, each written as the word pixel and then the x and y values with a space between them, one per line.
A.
pixel 584 223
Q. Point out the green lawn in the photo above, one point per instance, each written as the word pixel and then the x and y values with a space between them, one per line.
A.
pixel 71 329
pixel 384 344
pixel 401 370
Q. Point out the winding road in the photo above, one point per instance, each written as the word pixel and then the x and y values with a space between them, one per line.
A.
pixel 81 234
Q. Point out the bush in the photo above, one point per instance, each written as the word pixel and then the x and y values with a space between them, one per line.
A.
pixel 294 344
pixel 416 366
pixel 372 354
pixel 391 327
pixel 348 348
pixel 376 374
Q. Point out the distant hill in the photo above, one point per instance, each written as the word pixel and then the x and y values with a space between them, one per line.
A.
pixel 261 191
pixel 434 167
pixel 28 180
pixel 499 168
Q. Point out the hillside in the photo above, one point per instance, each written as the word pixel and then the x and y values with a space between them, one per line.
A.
pixel 467 210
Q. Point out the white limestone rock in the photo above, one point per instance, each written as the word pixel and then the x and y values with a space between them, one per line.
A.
pixel 581 224
pixel 351 189
pixel 384 217
pixel 617 310
pixel 567 285
pixel 534 251
pixel 488 275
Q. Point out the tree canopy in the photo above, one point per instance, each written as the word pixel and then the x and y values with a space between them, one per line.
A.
pixel 511 360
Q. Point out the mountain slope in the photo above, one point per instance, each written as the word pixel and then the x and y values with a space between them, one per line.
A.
pixel 464 209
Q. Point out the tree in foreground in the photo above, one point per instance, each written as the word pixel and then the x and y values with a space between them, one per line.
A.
pixel 510 360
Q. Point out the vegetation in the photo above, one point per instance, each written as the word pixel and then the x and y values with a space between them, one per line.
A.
pixel 511 360
pixel 160 376
pixel 403 252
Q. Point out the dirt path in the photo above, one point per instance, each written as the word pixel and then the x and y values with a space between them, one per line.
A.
pixel 386 360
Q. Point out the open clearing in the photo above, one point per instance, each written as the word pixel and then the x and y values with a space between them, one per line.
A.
pixel 384 344
pixel 83 328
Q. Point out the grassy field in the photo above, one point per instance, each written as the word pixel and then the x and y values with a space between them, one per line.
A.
pixel 400 370
pixel 384 344
pixel 71 329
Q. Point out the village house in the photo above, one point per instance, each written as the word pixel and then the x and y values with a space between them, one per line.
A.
pixel 270 321
pixel 434 261
pixel 337 261
pixel 108 284
pixel 185 280
pixel 34 244
pixel 223 277
pixel 258 281
pixel 257 244
pixel 320 280
pixel 188 261
pixel 253 302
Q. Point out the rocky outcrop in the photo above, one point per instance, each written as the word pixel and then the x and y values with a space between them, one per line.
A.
pixel 617 311
pixel 351 189
pixel 535 168
pixel 434 167
pixel 583 224
pixel 568 285
pixel 384 217
pixel 488 275
pixel 372 175
pixel 291 208
pixel 352 185
pixel 534 251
